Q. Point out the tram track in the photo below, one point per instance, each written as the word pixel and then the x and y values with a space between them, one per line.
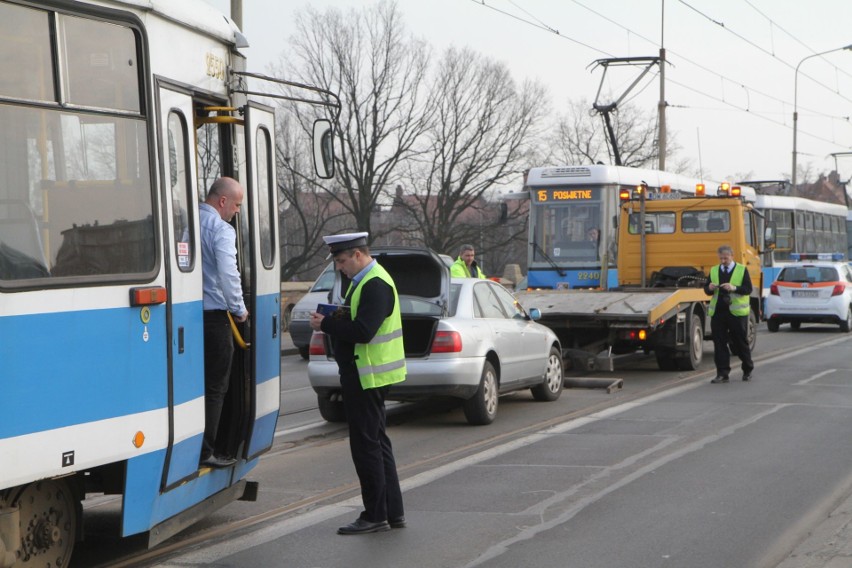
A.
pixel 350 490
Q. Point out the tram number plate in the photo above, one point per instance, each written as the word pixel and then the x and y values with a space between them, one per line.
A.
pixel 805 293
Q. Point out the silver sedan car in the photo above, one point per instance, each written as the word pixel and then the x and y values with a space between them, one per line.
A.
pixel 464 338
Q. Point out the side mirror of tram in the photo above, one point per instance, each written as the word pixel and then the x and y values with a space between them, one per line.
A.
pixel 323 141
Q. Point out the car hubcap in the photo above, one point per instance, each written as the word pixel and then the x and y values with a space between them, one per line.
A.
pixel 554 374
pixel 489 393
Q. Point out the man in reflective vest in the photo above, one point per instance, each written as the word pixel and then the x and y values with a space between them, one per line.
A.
pixel 367 343
pixel 730 286
pixel 465 266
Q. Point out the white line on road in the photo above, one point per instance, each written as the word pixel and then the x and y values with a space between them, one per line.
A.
pixel 815 377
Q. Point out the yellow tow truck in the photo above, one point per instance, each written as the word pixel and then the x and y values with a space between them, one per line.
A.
pixel 666 247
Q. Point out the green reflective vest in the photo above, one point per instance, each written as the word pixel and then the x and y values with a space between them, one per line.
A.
pixel 380 362
pixel 460 270
pixel 739 302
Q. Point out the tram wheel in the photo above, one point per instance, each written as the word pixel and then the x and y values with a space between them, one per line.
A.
pixel 48 524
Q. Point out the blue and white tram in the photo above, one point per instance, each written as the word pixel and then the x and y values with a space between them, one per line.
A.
pixel 802 226
pixel 573 219
pixel 116 116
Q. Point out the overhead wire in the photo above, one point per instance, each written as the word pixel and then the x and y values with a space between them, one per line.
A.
pixel 541 25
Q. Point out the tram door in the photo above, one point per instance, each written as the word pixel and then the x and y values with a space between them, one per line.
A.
pixel 182 260
pixel 265 350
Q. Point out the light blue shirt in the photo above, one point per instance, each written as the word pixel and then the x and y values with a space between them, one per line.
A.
pixel 360 276
pixel 220 277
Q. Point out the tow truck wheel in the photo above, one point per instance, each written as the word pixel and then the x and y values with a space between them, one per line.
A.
pixel 751 334
pixel 690 360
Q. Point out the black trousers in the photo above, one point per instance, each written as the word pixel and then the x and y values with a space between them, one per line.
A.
pixel 728 329
pixel 371 450
pixel 218 354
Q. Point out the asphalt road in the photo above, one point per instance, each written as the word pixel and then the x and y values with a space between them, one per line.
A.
pixel 668 471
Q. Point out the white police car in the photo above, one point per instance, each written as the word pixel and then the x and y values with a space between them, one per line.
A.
pixel 809 290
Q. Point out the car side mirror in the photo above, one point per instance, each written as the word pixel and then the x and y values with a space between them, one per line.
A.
pixel 534 313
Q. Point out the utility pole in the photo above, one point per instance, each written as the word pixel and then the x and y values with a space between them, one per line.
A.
pixel 661 108
pixel 237 13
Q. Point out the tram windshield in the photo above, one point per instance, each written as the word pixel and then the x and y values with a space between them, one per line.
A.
pixel 567 225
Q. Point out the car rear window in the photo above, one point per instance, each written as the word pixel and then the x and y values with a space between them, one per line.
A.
pixel 809 274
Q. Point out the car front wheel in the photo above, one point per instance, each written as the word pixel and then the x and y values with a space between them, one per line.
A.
pixel 481 408
pixel 551 387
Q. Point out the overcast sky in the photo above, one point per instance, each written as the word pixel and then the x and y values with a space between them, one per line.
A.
pixel 729 85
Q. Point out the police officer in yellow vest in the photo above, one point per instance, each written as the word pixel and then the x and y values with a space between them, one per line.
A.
pixel 368 348
pixel 730 286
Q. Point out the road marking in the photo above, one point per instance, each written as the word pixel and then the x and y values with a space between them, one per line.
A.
pixel 815 377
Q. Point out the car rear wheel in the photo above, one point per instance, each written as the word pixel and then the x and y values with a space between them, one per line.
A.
pixel 305 352
pixel 481 408
pixel 551 387
pixel 847 325
pixel 795 325
pixel 331 409
pixel 772 325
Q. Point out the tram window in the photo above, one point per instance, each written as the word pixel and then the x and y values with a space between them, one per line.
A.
pixel 180 191
pixel 100 64
pixel 63 168
pixel 265 197
pixel 26 71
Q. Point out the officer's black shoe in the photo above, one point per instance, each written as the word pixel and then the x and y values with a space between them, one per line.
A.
pixel 720 379
pixel 398 523
pixel 360 526
pixel 747 376
pixel 218 462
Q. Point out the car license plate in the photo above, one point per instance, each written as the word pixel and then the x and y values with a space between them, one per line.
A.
pixel 805 293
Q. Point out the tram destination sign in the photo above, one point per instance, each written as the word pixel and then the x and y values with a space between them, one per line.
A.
pixel 557 194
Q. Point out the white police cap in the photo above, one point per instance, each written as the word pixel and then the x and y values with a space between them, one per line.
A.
pixel 346 241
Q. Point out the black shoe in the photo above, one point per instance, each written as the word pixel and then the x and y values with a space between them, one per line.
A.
pixel 360 526
pixel 218 462
pixel 398 523
pixel 747 376
pixel 720 379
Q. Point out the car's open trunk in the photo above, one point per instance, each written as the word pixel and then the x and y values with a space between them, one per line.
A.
pixel 417 334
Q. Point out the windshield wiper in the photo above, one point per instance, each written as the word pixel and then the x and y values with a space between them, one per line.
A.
pixel 548 259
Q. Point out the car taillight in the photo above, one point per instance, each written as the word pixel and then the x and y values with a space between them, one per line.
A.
pixel 317 345
pixel 447 342
pixel 773 290
pixel 838 289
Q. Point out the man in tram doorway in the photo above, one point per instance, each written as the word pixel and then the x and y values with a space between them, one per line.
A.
pixel 222 295
pixel 367 342
pixel 730 286
pixel 465 266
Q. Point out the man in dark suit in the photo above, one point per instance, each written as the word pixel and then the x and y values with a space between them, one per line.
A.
pixel 730 286
pixel 367 343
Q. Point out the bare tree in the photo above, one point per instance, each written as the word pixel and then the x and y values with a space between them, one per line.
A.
pixel 378 71
pixel 581 137
pixel 484 132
